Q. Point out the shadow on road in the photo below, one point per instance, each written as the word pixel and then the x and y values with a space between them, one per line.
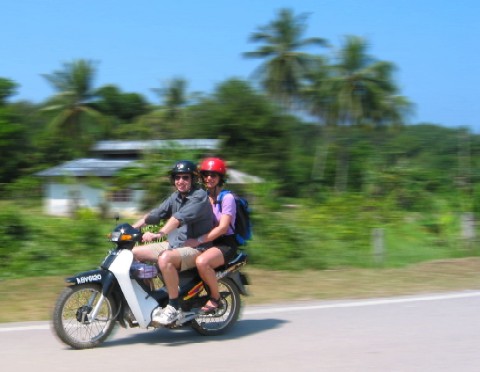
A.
pixel 178 337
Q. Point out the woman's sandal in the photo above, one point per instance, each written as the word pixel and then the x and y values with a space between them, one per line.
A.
pixel 210 309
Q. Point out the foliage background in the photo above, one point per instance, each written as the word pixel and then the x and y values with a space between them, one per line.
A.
pixel 326 128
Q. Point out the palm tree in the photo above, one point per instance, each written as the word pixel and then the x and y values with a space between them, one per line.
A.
pixel 169 119
pixel 174 97
pixel 356 90
pixel 71 104
pixel 7 89
pixel 285 67
pixel 318 99
pixel 360 83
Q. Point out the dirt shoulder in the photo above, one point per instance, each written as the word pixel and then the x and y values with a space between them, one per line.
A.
pixel 32 299
pixel 430 277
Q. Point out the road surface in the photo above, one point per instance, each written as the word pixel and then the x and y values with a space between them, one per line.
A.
pixel 438 332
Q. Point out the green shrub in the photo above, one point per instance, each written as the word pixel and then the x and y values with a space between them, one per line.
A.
pixel 295 235
pixel 14 230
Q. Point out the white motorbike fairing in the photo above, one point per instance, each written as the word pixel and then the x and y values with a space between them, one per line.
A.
pixel 140 304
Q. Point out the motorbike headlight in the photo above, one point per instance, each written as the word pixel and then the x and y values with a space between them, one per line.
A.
pixel 114 236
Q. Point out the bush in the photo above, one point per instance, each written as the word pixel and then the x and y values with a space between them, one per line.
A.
pixel 331 234
pixel 338 233
pixel 14 230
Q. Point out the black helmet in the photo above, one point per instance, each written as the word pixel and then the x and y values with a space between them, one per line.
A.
pixel 185 166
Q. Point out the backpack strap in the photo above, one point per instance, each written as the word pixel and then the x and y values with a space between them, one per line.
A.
pixel 220 198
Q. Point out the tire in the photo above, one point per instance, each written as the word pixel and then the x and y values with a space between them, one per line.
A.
pixel 69 313
pixel 224 318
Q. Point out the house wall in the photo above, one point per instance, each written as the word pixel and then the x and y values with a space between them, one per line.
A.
pixel 128 209
pixel 61 199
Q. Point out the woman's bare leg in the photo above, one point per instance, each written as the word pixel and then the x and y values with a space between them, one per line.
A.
pixel 206 264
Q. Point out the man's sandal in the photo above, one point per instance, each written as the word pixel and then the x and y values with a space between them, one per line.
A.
pixel 210 309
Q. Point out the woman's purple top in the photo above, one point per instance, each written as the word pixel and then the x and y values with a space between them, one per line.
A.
pixel 228 207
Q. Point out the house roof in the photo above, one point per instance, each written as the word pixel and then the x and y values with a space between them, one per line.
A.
pixel 122 146
pixel 93 167
pixel 108 168
pixel 87 167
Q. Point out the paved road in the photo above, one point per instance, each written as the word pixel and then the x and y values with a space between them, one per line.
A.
pixel 421 333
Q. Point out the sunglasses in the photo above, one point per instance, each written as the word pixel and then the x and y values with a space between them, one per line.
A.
pixel 185 178
pixel 211 174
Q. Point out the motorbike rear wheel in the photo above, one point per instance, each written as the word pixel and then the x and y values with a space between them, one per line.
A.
pixel 70 316
pixel 224 318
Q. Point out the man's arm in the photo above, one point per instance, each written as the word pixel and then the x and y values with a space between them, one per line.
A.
pixel 140 223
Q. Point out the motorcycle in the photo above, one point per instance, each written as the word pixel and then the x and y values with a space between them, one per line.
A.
pixel 127 292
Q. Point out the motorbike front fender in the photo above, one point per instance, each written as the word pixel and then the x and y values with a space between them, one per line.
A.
pixel 103 277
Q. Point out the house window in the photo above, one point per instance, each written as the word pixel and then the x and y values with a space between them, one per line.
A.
pixel 124 195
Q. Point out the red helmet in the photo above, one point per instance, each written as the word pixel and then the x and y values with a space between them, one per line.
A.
pixel 216 165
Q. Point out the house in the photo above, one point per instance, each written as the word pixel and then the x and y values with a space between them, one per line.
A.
pixel 82 182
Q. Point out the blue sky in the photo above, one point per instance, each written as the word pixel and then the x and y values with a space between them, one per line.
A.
pixel 141 44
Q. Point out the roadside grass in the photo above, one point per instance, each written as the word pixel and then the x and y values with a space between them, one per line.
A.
pixel 33 298
pixel 300 253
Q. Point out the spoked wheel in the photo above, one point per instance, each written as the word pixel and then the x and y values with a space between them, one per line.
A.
pixel 224 318
pixel 72 321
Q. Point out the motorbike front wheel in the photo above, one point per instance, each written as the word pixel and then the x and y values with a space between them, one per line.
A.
pixel 71 321
pixel 224 318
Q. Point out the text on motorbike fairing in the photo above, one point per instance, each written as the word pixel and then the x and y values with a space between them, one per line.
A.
pixel 89 279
